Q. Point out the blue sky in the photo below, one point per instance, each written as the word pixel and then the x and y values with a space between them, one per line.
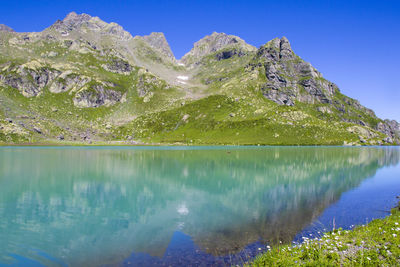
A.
pixel 355 44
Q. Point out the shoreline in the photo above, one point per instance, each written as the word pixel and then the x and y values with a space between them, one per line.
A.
pixel 374 244
pixel 135 144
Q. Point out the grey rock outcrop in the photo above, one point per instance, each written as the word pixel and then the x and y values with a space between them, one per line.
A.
pixel 30 82
pixel 5 28
pixel 391 128
pixel 118 66
pixel 276 49
pixel 212 43
pixel 229 53
pixel 96 95
pixel 158 41
pixel 146 83
pixel 67 81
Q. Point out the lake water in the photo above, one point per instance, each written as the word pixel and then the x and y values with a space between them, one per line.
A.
pixel 173 206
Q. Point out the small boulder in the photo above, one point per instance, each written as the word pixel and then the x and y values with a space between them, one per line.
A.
pixel 38 130
pixel 185 117
pixel 388 140
pixel 52 54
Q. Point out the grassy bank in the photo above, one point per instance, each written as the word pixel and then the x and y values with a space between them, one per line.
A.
pixel 376 244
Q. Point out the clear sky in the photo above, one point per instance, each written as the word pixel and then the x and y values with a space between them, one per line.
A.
pixel 355 44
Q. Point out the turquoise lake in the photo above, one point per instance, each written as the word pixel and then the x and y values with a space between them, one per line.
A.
pixel 180 206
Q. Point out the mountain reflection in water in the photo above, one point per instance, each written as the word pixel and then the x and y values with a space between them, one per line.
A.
pixel 94 206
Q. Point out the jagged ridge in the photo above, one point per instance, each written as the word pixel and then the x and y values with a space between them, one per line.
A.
pixel 83 71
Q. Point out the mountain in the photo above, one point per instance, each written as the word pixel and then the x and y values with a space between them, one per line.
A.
pixel 5 28
pixel 215 42
pixel 85 80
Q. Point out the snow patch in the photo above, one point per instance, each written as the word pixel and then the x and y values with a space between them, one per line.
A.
pixel 184 78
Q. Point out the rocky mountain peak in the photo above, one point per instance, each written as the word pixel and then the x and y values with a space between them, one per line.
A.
pixel 277 49
pixel 285 48
pixel 75 22
pixel 158 41
pixel 5 28
pixel 214 42
pixel 76 19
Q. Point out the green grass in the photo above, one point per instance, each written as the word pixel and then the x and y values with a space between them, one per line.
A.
pixel 375 244
pixel 219 119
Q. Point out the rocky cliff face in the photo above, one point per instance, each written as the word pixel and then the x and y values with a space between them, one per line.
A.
pixel 30 82
pixel 290 79
pixel 391 128
pixel 85 79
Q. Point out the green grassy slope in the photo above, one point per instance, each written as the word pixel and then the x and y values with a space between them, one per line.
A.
pixel 91 86
pixel 220 119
